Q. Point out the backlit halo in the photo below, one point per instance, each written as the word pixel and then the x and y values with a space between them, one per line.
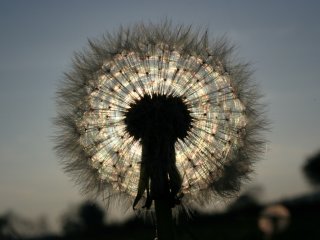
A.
pixel 117 72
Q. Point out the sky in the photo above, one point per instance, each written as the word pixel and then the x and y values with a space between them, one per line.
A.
pixel 38 39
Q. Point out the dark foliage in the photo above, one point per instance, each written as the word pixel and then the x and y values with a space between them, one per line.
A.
pixel 235 224
pixel 312 169
pixel 88 221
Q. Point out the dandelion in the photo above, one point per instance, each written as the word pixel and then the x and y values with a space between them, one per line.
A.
pixel 159 112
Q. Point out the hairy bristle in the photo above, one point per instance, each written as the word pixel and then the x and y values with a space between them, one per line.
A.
pixel 221 131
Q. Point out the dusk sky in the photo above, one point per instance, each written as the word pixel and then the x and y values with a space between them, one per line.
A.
pixel 38 38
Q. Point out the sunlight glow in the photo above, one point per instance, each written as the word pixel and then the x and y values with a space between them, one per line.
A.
pixel 218 116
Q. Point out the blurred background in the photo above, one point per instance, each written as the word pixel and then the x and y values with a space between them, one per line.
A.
pixel 37 41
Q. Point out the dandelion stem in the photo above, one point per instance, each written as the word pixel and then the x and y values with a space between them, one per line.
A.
pixel 164 219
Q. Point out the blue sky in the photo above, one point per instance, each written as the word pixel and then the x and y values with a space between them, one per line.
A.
pixel 38 38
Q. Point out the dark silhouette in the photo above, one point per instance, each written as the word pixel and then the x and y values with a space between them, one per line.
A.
pixel 159 121
pixel 239 221
pixel 13 226
pixel 312 169
pixel 88 221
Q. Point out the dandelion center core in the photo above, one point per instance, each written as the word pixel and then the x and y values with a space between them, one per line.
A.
pixel 158 115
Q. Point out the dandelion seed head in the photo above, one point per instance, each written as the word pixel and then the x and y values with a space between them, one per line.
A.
pixel 149 67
